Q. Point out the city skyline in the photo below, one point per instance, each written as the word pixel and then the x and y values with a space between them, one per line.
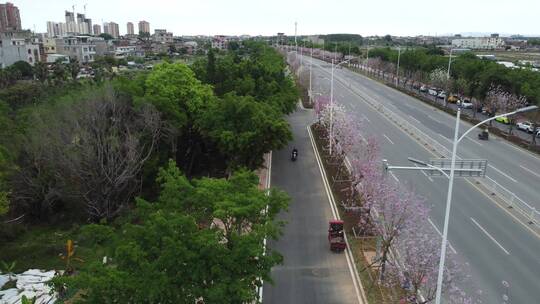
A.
pixel 242 17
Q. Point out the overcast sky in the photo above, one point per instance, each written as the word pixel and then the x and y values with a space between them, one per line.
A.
pixel 255 17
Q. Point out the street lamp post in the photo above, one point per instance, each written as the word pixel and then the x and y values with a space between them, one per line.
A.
pixel 449 63
pixel 332 101
pixel 397 71
pixel 450 187
pixel 448 78
pixel 310 67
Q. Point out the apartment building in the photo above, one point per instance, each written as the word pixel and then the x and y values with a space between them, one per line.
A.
pixel 16 46
pixel 83 48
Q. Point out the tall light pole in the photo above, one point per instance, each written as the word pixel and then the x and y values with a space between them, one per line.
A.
pixel 310 67
pixel 397 71
pixel 448 78
pixel 449 63
pixel 451 184
pixel 295 43
pixel 301 53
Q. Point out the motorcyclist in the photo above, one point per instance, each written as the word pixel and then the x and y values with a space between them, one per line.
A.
pixel 294 154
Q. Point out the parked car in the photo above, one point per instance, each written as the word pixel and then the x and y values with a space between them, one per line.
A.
pixel 503 119
pixel 465 104
pixel 526 126
pixel 441 95
pixel 453 99
pixel 423 89
pixel 433 92
pixel 538 133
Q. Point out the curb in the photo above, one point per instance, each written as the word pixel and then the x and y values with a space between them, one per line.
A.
pixel 265 179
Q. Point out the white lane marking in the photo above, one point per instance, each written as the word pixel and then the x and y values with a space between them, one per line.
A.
pixel 475 141
pixel 521 150
pixel 423 172
pixel 503 174
pixel 439 232
pixel 364 98
pixel 489 235
pixel 416 120
pixel 392 173
pixel 445 138
pixel 530 171
pixel 365 117
pixel 268 183
pixel 388 139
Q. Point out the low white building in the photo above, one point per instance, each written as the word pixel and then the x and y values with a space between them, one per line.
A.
pixel 18 46
pixel 482 43
pixel 83 48
pixel 162 36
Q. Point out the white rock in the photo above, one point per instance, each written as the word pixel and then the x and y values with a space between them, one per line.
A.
pixel 8 293
pixel 9 296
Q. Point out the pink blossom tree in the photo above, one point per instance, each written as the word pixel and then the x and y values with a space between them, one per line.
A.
pixel 500 101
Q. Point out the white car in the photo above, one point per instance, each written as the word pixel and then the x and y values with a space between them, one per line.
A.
pixel 442 95
pixel 526 126
pixel 432 92
pixel 465 104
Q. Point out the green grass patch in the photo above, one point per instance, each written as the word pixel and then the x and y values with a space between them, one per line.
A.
pixel 40 247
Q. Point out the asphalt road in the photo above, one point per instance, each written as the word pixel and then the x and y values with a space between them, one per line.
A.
pixel 311 273
pixel 492 244
pixel 515 169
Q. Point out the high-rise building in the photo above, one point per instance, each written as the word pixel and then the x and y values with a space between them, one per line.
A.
pixel 10 19
pixel 97 29
pixel 84 25
pixel 144 27
pixel 88 22
pixel 70 17
pixel 112 29
pixel 130 28
pixel 71 25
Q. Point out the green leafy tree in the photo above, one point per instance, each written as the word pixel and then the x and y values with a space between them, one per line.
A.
pixel 41 71
pixel 181 98
pixel 22 94
pixel 106 36
pixel 211 67
pixel 59 72
pixel 245 129
pixel 74 68
pixel 172 255
pixel 24 68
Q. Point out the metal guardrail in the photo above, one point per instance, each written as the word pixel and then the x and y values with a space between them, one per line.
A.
pixel 530 213
pixel 513 201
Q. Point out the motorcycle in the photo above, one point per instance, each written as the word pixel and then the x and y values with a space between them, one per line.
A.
pixel 484 135
pixel 294 155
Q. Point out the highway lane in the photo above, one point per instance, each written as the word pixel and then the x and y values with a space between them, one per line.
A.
pixel 507 162
pixel 483 235
pixel 311 273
